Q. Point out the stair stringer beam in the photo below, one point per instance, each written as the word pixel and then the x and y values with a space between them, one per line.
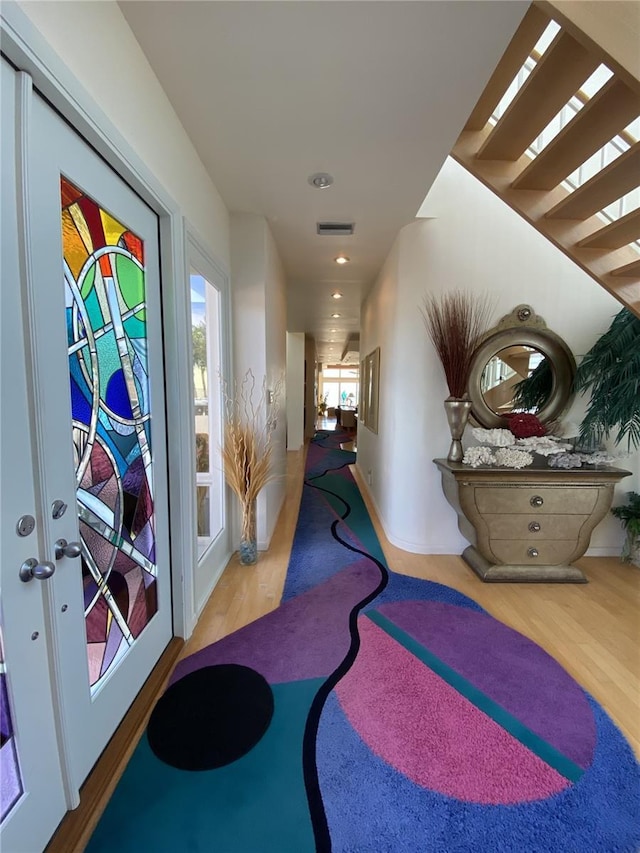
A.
pixel 532 205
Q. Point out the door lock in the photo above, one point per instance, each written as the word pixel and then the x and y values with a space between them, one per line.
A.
pixel 58 509
pixel 31 569
pixel 67 549
pixel 25 525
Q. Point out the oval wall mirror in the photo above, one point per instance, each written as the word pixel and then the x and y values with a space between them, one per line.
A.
pixel 520 366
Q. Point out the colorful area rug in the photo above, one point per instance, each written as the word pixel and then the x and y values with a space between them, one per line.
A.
pixel 372 712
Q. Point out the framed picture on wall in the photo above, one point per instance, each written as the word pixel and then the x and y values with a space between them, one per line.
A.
pixel 362 405
pixel 372 384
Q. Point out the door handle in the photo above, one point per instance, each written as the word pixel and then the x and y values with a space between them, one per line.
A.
pixel 31 569
pixel 67 549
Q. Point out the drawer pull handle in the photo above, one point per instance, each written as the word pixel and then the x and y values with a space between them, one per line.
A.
pixel 532 552
pixel 536 500
pixel 534 526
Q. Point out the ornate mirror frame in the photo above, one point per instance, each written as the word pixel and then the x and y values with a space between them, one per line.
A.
pixel 522 327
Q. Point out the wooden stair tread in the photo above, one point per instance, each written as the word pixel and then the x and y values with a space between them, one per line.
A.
pixel 631 270
pixel 609 111
pixel 558 75
pixel 611 183
pixel 615 235
pixel 524 40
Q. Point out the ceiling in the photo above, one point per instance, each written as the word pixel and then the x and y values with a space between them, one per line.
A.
pixel 373 93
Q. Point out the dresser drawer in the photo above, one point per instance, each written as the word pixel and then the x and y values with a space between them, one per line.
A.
pixel 531 499
pixel 549 552
pixel 534 527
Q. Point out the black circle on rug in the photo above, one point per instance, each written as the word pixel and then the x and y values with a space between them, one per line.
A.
pixel 211 717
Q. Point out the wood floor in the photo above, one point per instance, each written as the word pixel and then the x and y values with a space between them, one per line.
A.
pixel 592 629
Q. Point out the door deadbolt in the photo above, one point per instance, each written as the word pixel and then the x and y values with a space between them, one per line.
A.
pixel 58 509
pixel 25 525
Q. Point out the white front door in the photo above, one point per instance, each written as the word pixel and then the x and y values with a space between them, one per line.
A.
pixel 92 449
pixel 32 796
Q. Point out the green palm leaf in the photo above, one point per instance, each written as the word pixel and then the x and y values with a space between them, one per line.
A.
pixel 611 370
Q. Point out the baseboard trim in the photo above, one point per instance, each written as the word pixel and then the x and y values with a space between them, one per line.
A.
pixel 438 548
pixel 603 551
pixel 76 827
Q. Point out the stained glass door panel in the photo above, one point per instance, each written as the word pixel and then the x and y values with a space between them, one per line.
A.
pixel 105 294
pixel 10 775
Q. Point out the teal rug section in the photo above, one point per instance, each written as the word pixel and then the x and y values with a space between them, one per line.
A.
pixel 358 520
pixel 496 712
pixel 235 809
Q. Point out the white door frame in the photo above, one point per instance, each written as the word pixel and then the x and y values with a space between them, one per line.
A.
pixel 198 257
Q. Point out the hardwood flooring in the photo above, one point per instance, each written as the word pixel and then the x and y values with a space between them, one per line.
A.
pixel 592 629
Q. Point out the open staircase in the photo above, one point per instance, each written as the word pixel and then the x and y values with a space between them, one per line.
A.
pixel 506 145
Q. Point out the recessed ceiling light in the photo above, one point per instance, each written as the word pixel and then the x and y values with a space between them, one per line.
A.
pixel 333 330
pixel 337 295
pixel 341 259
pixel 320 180
pixel 335 316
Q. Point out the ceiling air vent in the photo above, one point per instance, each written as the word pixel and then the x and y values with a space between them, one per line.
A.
pixel 336 229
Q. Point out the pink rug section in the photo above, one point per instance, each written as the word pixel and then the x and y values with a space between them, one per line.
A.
pixel 420 725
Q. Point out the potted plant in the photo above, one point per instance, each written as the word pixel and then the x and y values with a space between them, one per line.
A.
pixel 629 515
pixel 322 405
pixel 611 372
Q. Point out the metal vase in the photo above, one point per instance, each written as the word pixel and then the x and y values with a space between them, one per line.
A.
pixel 457 414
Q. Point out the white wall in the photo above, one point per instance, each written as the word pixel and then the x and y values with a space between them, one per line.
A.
pixel 475 242
pixel 295 390
pixel 259 339
pixel 275 325
pixel 97 45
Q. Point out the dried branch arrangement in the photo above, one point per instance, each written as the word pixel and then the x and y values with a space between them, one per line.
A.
pixel 455 322
pixel 246 453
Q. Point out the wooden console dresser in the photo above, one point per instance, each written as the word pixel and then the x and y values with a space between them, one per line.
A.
pixel 528 524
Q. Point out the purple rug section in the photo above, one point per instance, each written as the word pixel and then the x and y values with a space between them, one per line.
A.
pixel 518 674
pixel 420 725
pixel 306 637
pixel 327 458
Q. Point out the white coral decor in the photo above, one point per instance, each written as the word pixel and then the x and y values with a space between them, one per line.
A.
pixel 476 456
pixel 495 437
pixel 544 445
pixel 507 457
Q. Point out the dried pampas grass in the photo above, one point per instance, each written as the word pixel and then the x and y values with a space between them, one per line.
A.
pixel 247 449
